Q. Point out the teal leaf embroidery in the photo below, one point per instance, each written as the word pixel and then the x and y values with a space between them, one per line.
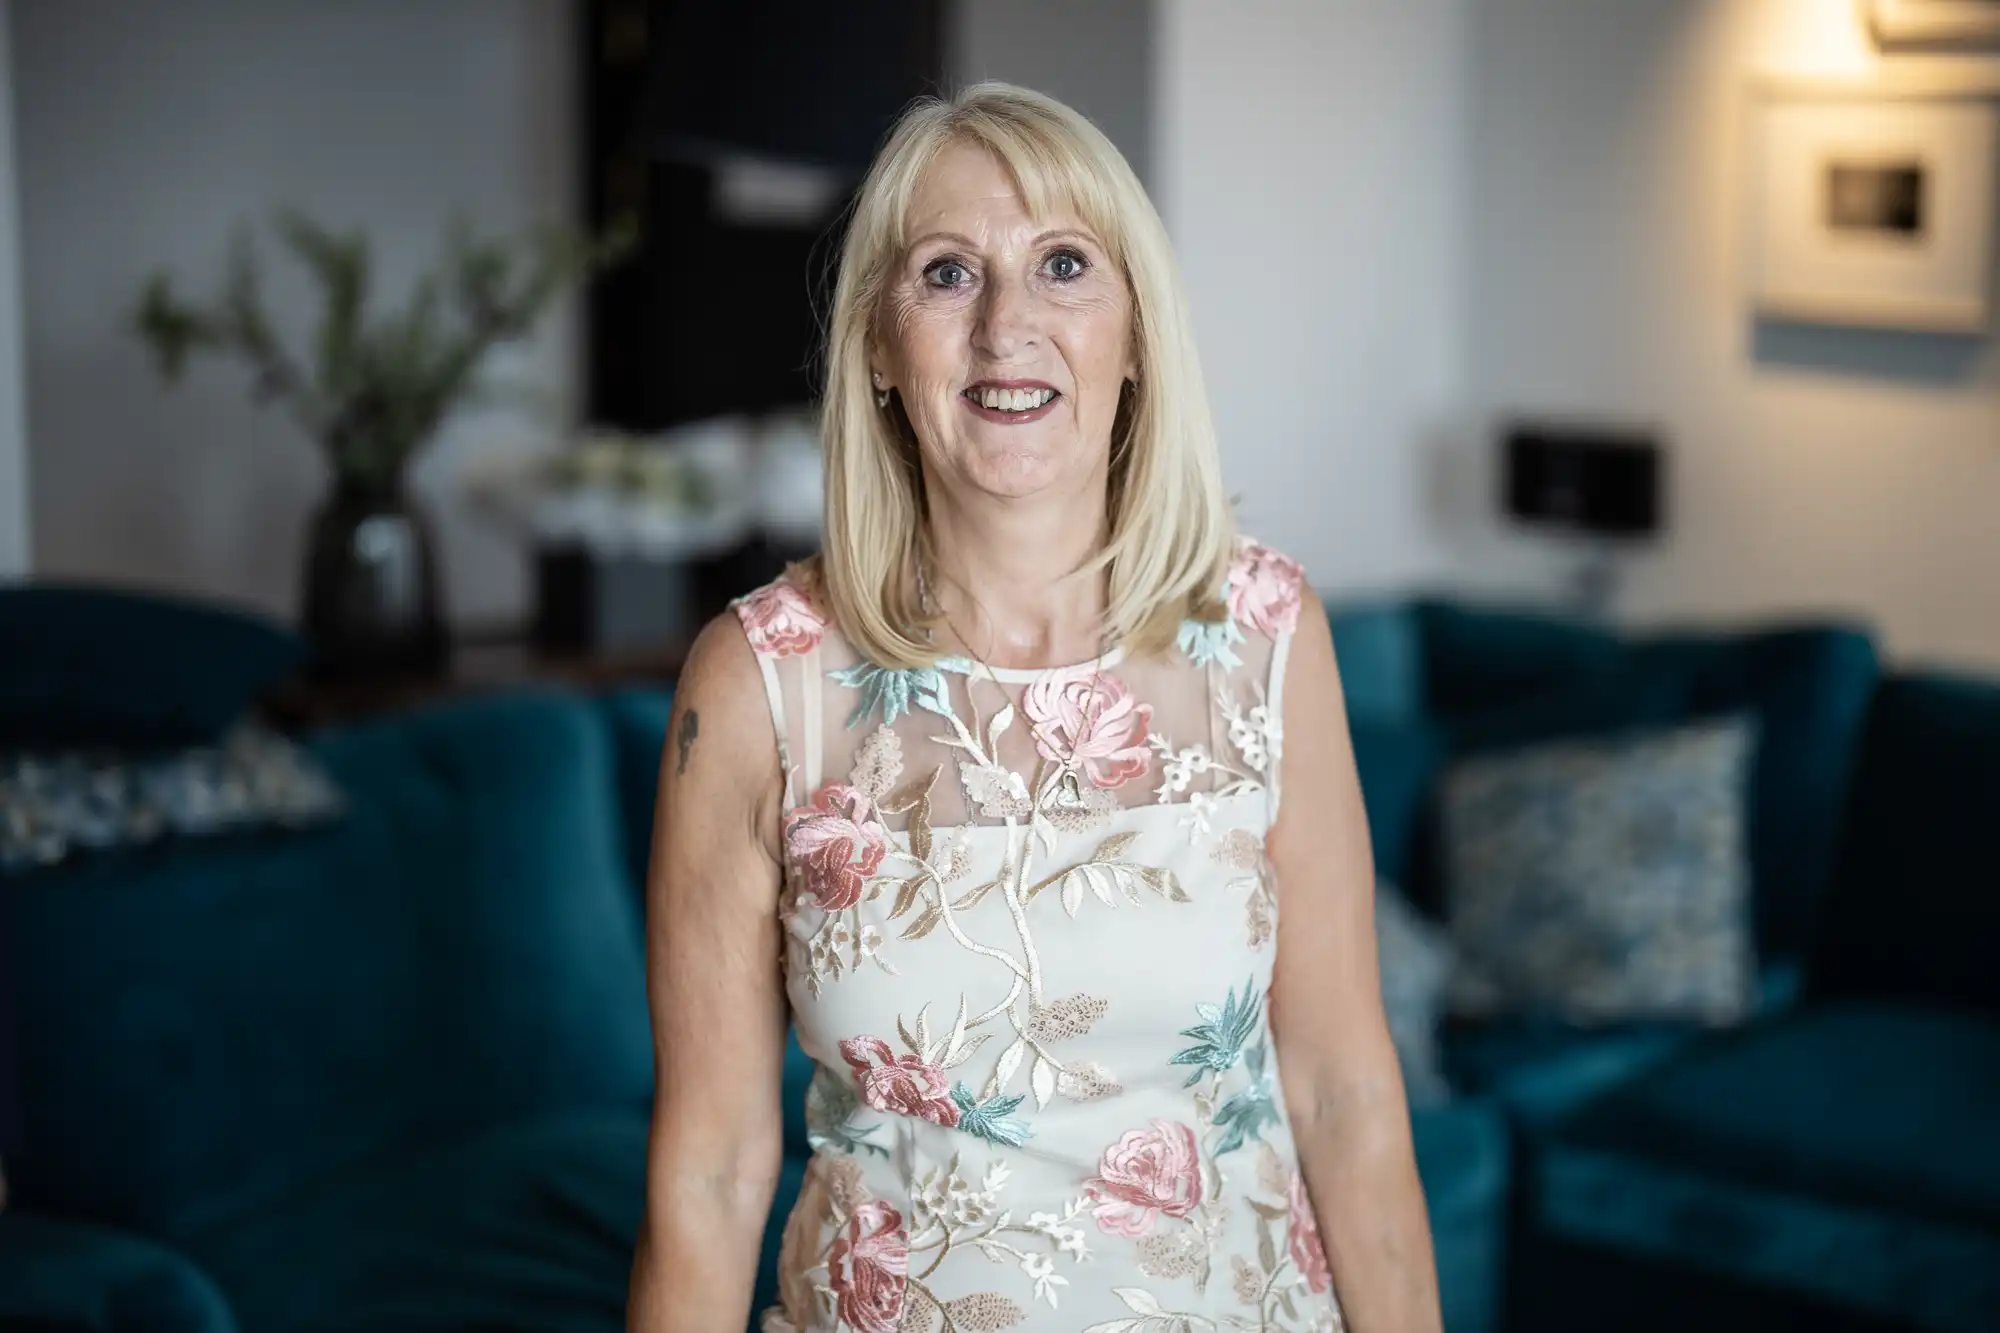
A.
pixel 988 1120
pixel 1220 1036
pixel 1208 642
pixel 894 690
pixel 1245 1114
pixel 830 1107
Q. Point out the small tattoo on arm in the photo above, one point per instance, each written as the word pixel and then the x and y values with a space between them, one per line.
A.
pixel 690 728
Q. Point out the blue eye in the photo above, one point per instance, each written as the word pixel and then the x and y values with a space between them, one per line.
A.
pixel 1065 265
pixel 947 273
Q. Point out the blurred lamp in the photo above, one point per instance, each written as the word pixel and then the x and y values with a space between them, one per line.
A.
pixel 1598 484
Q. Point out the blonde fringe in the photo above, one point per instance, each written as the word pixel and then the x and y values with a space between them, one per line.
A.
pixel 1171 530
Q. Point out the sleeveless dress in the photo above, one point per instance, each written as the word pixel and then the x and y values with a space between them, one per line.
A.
pixel 1045 1094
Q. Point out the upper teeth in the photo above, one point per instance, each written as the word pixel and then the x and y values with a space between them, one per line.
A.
pixel 1014 400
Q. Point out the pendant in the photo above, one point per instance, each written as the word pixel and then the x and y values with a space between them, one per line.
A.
pixel 1070 791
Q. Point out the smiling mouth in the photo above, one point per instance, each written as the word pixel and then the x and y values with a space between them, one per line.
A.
pixel 1010 403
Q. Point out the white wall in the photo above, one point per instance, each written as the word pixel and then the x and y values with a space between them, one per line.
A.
pixel 145 132
pixel 1812 469
pixel 1310 162
pixel 1098 57
pixel 14 522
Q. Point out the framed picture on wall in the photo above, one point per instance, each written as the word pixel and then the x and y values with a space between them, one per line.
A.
pixel 1873 205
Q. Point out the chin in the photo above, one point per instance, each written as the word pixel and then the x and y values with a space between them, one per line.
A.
pixel 1017 471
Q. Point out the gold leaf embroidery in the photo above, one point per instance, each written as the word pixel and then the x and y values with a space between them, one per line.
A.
pixel 1239 848
pixel 1272 1177
pixel 984 1312
pixel 920 824
pixel 926 922
pixel 877 764
pixel 1114 846
pixel 971 897
pixel 1104 872
pixel 906 796
pixel 1170 1254
pixel 906 896
pixel 920 1311
pixel 1248 1285
pixel 1088 1083
pixel 1065 1019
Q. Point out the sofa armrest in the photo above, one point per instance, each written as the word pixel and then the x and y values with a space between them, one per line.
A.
pixel 61 1275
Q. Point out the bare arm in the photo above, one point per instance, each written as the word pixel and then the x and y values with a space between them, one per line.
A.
pixel 1343 1087
pixel 717 998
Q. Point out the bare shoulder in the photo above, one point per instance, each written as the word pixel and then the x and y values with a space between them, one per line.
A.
pixel 721 676
pixel 721 760
pixel 725 669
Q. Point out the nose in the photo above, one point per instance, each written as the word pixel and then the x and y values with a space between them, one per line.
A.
pixel 1008 323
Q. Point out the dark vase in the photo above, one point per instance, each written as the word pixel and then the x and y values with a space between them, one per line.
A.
pixel 372 606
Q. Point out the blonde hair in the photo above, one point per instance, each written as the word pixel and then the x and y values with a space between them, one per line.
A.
pixel 1171 533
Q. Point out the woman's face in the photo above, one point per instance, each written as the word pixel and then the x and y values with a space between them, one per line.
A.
pixel 1008 339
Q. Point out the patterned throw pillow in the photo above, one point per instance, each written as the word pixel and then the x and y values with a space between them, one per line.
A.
pixel 1415 960
pixel 1604 879
pixel 52 805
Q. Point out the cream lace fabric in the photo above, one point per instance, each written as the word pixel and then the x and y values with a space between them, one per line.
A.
pixel 1046 1096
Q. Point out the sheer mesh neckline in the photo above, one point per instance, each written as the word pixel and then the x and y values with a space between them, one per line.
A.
pixel 1029 675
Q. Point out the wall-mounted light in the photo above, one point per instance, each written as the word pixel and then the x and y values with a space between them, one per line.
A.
pixel 1934 25
pixel 1598 485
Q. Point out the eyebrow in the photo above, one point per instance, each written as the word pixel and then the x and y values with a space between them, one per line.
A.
pixel 1054 233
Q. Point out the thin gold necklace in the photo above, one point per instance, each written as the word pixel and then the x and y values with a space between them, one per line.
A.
pixel 1069 783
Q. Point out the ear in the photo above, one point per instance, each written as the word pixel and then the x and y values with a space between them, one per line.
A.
pixel 878 374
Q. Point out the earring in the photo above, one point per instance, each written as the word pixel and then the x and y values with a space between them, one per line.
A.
pixel 881 394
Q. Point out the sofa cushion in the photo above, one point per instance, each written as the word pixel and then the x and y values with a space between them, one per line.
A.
pixel 526 1227
pixel 1913 910
pixel 1809 687
pixel 1603 879
pixel 1380 651
pixel 1463 1158
pixel 1396 764
pixel 1489 656
pixel 98 666
pixel 206 1027
pixel 639 719
pixel 58 1274
pixel 63 803
pixel 1844 1150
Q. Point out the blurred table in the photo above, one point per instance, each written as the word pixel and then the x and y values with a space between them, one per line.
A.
pixel 497 659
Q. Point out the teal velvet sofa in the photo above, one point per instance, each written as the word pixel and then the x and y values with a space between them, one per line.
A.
pixel 1432 679
pixel 391 1074
pixel 395 1073
pixel 1836 1167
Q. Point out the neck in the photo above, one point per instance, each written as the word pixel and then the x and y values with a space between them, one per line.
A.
pixel 1007 578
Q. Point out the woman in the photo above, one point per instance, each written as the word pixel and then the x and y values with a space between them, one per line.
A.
pixel 986 800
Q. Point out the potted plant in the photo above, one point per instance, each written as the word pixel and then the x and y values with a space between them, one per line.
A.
pixel 372 393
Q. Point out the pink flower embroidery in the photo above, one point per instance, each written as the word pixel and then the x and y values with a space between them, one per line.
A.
pixel 1147 1171
pixel 1264 588
pixel 1095 715
pixel 902 1084
pixel 1307 1252
pixel 781 620
pixel 867 1267
pixel 825 837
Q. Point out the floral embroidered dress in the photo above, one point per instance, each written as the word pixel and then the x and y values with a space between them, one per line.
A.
pixel 1046 1096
